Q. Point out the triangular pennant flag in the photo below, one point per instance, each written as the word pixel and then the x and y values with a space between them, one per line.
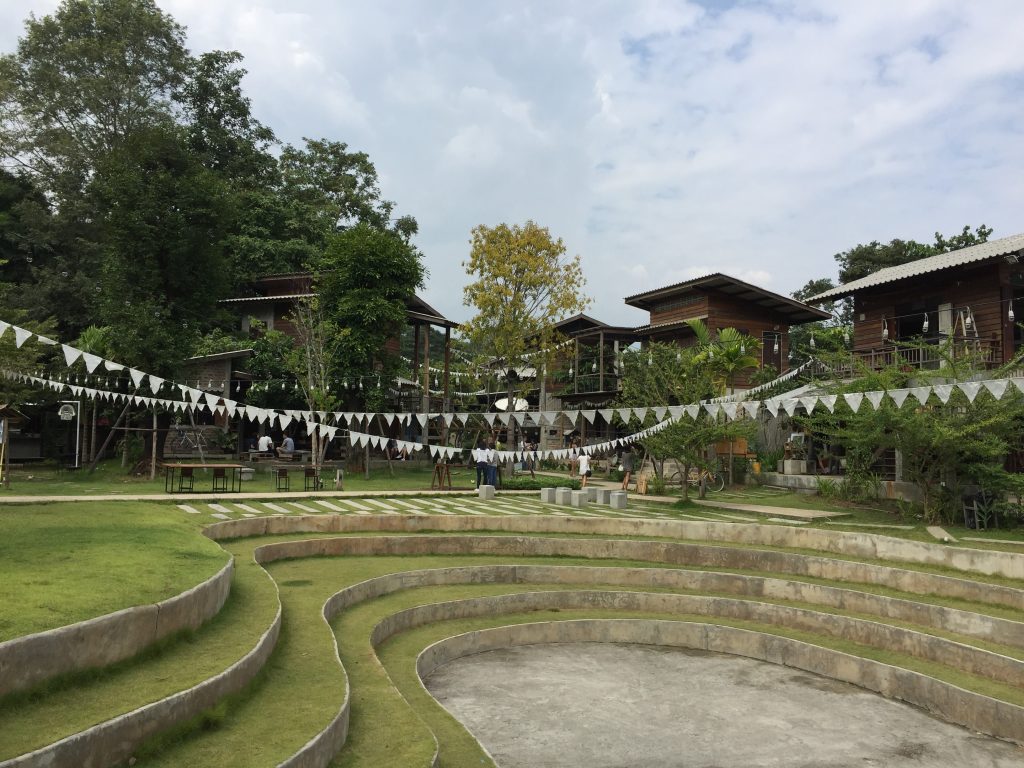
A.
pixel 921 394
pixel 875 398
pixel 675 411
pixel 92 362
pixel 970 388
pixel 110 365
pixel 155 382
pixel 659 413
pixel 712 409
pixel 790 405
pixel 137 377
pixel 607 414
pixel 1018 382
pixel 730 410
pixel 808 403
pixel 502 417
pixel 590 416
pixel 829 401
pixel 45 340
pixel 551 416
pixel 751 407
pixel 854 399
pixel 422 419
pixel 898 396
pixel 3 327
pixel 996 387
pixel 70 354
pixel 943 391
pixel 625 414
pixel 693 411
pixel 21 336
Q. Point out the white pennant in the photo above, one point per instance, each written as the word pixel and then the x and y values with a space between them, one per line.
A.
pixel 790 405
pixel 137 376
pixel 898 396
pixel 875 398
pixel 21 336
pixel 112 366
pixel 943 391
pixel 854 399
pixel 490 418
pixel 641 413
pixel 996 387
pixel 693 411
pixel 970 388
pixel 607 414
pixel 3 327
pixel 712 409
pixel 675 411
pixel 422 419
pixel 92 362
pixel 808 403
pixel 659 413
pixel 829 401
pixel 45 340
pixel 590 416
pixel 921 394
pixel 730 410
pixel 70 354
pixel 155 382
pixel 625 413
pixel 751 407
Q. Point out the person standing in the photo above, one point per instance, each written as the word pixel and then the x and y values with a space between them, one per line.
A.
pixel 627 466
pixel 584 465
pixel 492 464
pixel 480 458
pixel 574 458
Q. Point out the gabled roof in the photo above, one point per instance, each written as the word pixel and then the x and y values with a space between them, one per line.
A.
pixel 578 322
pixel 231 355
pixel 1006 246
pixel 791 309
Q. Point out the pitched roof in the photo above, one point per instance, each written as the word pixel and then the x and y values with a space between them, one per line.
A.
pixel 793 310
pixel 1006 246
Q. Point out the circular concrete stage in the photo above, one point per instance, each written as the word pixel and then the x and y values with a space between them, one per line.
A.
pixel 592 705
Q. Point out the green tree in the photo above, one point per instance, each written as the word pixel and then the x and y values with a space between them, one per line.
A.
pixel 861 260
pixel 522 283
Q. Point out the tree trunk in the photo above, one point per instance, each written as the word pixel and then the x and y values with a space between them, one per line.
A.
pixel 92 433
pixel 110 436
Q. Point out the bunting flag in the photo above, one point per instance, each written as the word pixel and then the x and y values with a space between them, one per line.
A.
pixel 751 407
pixel 3 328
pixel 875 398
pixel 970 388
pixel 921 394
pixel 943 391
pixel 854 399
pixel 808 402
pixel 772 406
pixel 996 387
pixel 898 396
pixel 70 354
pixel 21 336
pixel 730 410
pixel 790 405
pixel 829 401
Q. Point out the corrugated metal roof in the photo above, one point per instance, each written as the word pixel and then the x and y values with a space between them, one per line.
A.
pixel 973 254
pixel 283 297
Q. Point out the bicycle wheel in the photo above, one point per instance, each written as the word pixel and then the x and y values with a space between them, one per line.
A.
pixel 716 482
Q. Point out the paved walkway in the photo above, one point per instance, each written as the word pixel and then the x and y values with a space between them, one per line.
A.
pixel 271 495
pixel 765 509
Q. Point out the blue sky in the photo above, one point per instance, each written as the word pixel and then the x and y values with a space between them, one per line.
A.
pixel 660 140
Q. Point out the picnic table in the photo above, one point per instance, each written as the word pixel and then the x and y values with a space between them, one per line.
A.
pixel 224 477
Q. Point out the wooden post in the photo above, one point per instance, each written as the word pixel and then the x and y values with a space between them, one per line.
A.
pixel 92 434
pixel 576 368
pixel 600 357
pixel 5 459
pixel 152 453
pixel 110 436
pixel 426 384
pixel 447 369
pixel 199 445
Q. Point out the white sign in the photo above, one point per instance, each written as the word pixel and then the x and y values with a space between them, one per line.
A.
pixel 66 412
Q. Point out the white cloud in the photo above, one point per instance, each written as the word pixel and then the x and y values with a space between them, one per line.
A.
pixel 660 139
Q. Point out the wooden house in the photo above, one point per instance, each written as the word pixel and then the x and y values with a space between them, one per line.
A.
pixel 973 297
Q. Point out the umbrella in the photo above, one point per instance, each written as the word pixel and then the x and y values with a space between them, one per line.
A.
pixel 520 404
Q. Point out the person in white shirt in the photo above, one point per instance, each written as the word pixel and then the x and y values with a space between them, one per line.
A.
pixel 266 445
pixel 584 461
pixel 480 458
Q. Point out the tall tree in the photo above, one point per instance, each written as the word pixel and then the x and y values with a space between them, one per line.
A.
pixel 861 260
pixel 522 284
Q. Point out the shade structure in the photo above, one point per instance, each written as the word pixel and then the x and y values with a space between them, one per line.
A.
pixel 519 404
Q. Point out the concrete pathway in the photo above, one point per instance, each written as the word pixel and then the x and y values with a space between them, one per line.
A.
pixel 765 509
pixel 272 495
pixel 939 533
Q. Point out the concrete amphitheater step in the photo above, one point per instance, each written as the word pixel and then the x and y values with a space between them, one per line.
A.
pixel 92 701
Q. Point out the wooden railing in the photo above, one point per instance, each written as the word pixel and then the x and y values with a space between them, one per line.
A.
pixel 983 352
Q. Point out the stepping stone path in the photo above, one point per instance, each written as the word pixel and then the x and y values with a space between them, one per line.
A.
pixel 190 510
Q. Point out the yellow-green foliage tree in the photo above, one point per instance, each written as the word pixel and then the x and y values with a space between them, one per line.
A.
pixel 522 284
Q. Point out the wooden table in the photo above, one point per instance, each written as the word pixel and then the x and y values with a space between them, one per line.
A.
pixel 172 470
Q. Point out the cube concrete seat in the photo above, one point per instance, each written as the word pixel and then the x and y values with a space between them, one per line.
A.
pixel 547 495
pixel 591 493
pixel 563 496
pixel 618 500
pixel 580 499
pixel 604 495
pixel 485 491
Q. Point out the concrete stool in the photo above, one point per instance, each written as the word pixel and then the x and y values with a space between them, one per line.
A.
pixel 485 492
pixel 580 499
pixel 547 495
pixel 617 499
pixel 591 493
pixel 604 495
pixel 563 496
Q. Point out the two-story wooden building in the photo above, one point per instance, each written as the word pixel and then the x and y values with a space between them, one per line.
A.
pixel 973 297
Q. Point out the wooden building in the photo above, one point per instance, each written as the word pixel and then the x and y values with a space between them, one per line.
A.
pixel 721 301
pixel 273 301
pixel 973 297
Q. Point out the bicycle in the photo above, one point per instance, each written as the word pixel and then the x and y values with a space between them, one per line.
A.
pixel 714 481
pixel 186 442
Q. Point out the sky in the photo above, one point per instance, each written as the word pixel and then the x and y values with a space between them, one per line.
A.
pixel 661 140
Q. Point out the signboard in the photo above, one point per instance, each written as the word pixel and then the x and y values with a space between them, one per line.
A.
pixel 66 412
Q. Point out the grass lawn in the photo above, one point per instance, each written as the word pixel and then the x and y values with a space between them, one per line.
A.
pixel 64 563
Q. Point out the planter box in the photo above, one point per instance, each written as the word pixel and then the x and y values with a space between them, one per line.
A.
pixel 794 467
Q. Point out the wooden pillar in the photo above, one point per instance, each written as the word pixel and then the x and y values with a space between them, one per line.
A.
pixel 600 364
pixel 416 352
pixel 447 390
pixel 576 368
pixel 426 382
pixel 152 457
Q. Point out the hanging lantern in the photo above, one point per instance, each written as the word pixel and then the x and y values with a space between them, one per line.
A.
pixel 435 381
pixel 775 349
pixel 743 348
pixel 593 368
pixel 679 357
pixel 650 358
pixel 711 353
pixel 813 345
pixel 846 335
pixel 924 325
pixel 1009 314
pixel 968 320
pixel 790 355
pixel 282 385
pixel 885 329
pixel 360 385
pixel 570 370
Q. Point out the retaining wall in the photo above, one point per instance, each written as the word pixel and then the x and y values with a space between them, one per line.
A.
pixel 28 661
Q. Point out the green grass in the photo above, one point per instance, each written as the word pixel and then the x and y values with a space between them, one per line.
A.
pixel 77 702
pixel 71 562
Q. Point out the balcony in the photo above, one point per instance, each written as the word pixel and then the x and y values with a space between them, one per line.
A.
pixel 982 353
